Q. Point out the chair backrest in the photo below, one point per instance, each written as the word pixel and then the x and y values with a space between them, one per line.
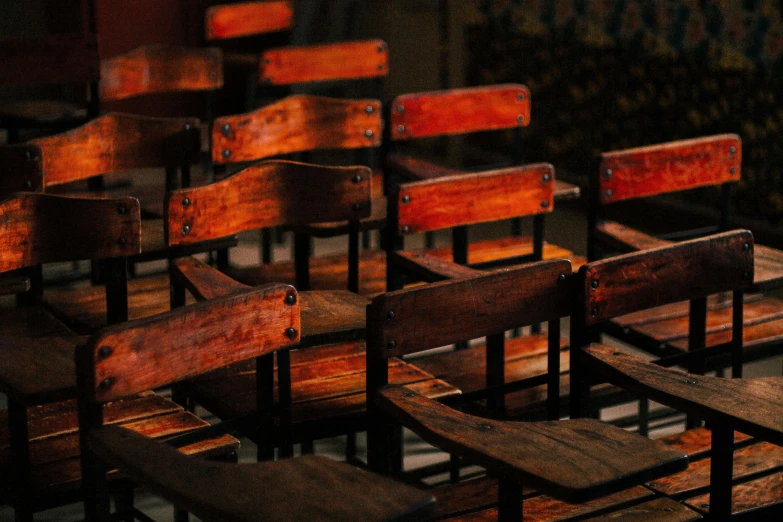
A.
pixel 459 111
pixel 126 359
pixel 328 62
pixel 248 18
pixel 117 142
pixel 468 199
pixel 272 193
pixel 423 317
pixel 669 167
pixel 297 124
pixel 157 68
pixel 21 169
pixel 50 60
pixel 40 228
pixel 684 271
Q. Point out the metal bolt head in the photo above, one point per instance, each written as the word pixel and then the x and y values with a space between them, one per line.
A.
pixel 369 109
pixel 185 229
pixel 732 170
pixel 290 333
pixel 546 177
pixel 400 109
pixel 746 276
pixel 267 61
pixel 594 284
pixel 122 241
pixel 626 330
pixel 408 394
pixel 369 133
pixel 390 314
pixel 290 299
pixel 594 312
pixel 520 118
pixel 105 384
pixel 545 204
pixel 521 96
pixel 225 130
pixel 406 229
pixel 104 352
pixel 357 179
pixel 608 194
pixel 406 199
pixel 28 184
pixel 561 277
pixel 608 173
pixel 484 427
pixel 28 155
pixel 226 153
pixel 186 202
pixel 122 210
pixel 732 150
pixel 689 382
pixel 381 48
pixel 746 248
pixel 186 126
pixel 391 345
pixel 400 128
pixel 357 207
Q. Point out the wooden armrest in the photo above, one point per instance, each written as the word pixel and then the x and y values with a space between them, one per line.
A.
pixel 14 285
pixel 203 281
pixel 627 239
pixel 415 169
pixel 575 460
pixel 753 406
pixel 566 191
pixel 306 488
pixel 430 268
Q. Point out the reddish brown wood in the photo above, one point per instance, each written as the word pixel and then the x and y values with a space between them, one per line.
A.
pixel 49 60
pixel 415 169
pixel 752 406
pixel 117 142
pixel 640 280
pixel 20 169
pixel 429 268
pixel 210 335
pixel 768 270
pixel 747 497
pixel 459 111
pixel 669 167
pixel 698 441
pixel 248 18
pixel 317 63
pixel 204 281
pixel 466 199
pixel 658 510
pixel 575 460
pixel 296 124
pixel 270 194
pixel 411 320
pixel 156 68
pixel 40 228
pixel 753 336
pixel 625 239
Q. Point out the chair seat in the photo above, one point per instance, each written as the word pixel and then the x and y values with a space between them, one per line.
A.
pixel 328 389
pixel 331 272
pixel 216 491
pixel 54 446
pixel 41 113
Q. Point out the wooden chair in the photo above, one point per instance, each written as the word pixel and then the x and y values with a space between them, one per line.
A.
pixel 235 20
pixel 575 460
pixel 65 60
pixel 39 450
pixel 448 202
pixel 298 124
pixel 630 175
pixel 690 270
pixel 123 361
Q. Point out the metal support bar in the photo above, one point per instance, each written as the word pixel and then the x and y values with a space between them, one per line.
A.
pixel 302 261
pixel 721 471
pixel 285 401
pixel 509 500
pixel 553 371
pixel 496 372
pixel 353 256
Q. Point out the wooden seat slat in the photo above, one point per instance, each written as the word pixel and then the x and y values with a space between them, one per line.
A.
pixel 753 337
pixel 698 441
pixel 681 309
pixel 658 510
pixel 748 496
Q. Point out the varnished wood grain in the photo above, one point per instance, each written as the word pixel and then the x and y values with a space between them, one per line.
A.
pixel 429 268
pixel 248 492
pixel 660 276
pixel 697 442
pixel 576 460
pixel 669 167
pixel 659 510
pixel 627 239
pixel 269 194
pixel 316 63
pixel 467 199
pixel 40 228
pixel 116 142
pixel 204 281
pixel 210 335
pixel 416 169
pixel 49 60
pixel 248 18
pixel 752 406
pixel 296 124
pixel 747 497
pixel 21 169
pixel 412 320
pixel 459 111
pixel 156 68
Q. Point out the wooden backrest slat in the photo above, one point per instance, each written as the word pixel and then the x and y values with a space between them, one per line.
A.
pixel 438 314
pixel 40 228
pixel 317 63
pixel 158 68
pixel 273 193
pixel 248 18
pixel 116 142
pixel 467 199
pixel 669 167
pixel 21 169
pixel 296 124
pixel 61 59
pixel 688 270
pixel 156 351
pixel 459 111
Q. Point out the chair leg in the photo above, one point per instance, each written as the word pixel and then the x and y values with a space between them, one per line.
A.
pixel 20 451
pixel 454 468
pixel 123 502
pixel 350 447
pixel 721 471
pixel 509 501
